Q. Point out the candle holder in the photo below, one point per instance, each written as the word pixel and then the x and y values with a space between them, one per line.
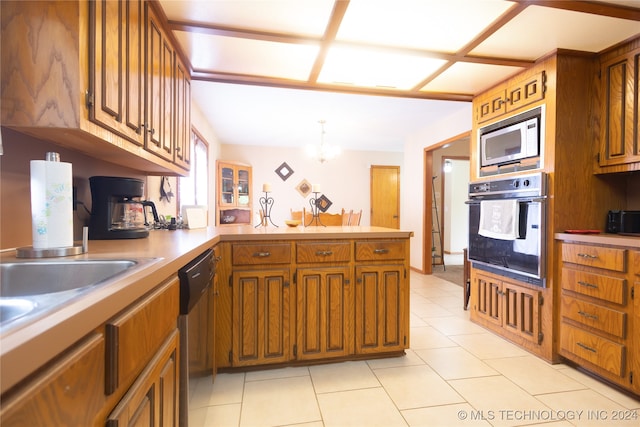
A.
pixel 266 203
pixel 315 211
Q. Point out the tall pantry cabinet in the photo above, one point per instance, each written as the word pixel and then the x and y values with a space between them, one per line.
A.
pixel 566 158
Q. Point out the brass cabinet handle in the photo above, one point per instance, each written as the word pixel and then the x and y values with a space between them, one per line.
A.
pixel 262 254
pixel 586 347
pixel 324 253
pixel 587 284
pixel 381 251
pixel 587 315
pixel 587 256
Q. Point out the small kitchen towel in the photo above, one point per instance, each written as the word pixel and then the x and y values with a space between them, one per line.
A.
pixel 51 204
pixel 499 219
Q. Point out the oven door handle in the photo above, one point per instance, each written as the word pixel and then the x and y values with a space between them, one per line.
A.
pixel 540 199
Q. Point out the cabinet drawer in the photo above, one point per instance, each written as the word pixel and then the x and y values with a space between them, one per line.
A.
pixel 595 256
pixel 596 316
pixel 135 336
pixel 379 250
pixel 602 352
pixel 323 252
pixel 69 392
pixel 606 288
pixel 268 253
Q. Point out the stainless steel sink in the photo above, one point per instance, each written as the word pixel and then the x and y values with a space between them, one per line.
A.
pixel 14 308
pixel 31 287
pixel 19 279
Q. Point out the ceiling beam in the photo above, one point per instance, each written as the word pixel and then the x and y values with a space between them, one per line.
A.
pixel 339 9
pixel 592 7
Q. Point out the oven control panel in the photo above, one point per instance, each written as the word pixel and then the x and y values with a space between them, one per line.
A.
pixel 525 185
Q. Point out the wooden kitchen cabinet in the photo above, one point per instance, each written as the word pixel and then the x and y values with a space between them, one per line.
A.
pixel 262 317
pixel 503 305
pixel 619 137
pixel 91 97
pixel 325 300
pixel 117 68
pixel 130 364
pixel 234 194
pixel 509 99
pixel 182 110
pixel 597 311
pixel 55 395
pixel 348 298
pixel 159 83
pixel 381 297
pixel 152 401
pixel 380 303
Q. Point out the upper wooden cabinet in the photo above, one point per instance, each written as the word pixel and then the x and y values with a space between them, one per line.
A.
pixel 508 99
pixel 117 67
pixel 234 193
pixel 619 144
pixel 73 73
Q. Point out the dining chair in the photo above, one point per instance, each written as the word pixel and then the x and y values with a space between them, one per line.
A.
pixel 354 218
pixel 346 217
pixel 330 219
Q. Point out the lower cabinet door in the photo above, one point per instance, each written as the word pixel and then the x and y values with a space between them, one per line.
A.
pixel 324 313
pixel 262 317
pixel 153 399
pixel 70 392
pixel 521 311
pixel 380 306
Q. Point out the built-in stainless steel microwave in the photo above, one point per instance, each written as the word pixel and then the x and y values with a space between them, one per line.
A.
pixel 513 139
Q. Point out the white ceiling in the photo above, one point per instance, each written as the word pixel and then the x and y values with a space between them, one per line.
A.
pixel 266 71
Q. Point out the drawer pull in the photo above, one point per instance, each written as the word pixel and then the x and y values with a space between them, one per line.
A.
pixel 587 284
pixel 588 256
pixel 588 315
pixel 324 253
pixel 262 254
pixel 381 251
pixel 586 347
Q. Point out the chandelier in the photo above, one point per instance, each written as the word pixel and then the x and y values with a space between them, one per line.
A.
pixel 324 151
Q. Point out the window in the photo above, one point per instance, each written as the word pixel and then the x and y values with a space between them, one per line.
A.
pixel 193 189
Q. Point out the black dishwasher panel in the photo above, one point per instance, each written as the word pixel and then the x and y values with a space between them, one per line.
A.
pixel 195 279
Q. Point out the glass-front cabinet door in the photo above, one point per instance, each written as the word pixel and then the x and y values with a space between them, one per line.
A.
pixel 227 196
pixel 234 202
pixel 244 187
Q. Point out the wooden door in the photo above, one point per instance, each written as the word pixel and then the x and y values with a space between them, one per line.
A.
pixel 261 317
pixel 379 308
pixel 182 110
pixel 324 313
pixel 385 196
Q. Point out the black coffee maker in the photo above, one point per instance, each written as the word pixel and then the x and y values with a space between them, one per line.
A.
pixel 116 209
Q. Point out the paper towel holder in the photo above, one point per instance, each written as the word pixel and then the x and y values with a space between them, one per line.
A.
pixel 31 252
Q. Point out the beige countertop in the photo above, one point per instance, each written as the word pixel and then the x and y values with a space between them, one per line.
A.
pixel 601 239
pixel 31 344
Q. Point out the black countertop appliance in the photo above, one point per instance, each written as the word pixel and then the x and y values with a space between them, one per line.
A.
pixel 116 209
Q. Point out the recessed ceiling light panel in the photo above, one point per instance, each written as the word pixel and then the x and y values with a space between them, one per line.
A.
pixel 370 68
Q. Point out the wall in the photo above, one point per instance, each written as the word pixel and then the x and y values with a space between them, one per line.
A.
pixel 412 194
pixel 343 180
pixel 456 212
pixel 199 123
pixel 15 199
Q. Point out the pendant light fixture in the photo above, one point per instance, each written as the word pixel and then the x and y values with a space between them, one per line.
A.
pixel 324 151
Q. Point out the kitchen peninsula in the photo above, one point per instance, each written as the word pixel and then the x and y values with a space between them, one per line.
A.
pixel 282 296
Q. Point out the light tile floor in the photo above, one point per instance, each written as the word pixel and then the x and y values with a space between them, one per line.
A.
pixel 455 373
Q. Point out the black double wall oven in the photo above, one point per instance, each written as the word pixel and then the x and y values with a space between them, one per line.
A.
pixel 507 223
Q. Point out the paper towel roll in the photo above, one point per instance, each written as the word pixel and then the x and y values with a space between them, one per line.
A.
pixel 51 204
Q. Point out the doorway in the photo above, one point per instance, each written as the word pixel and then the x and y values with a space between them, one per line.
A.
pixel 385 196
pixel 435 194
